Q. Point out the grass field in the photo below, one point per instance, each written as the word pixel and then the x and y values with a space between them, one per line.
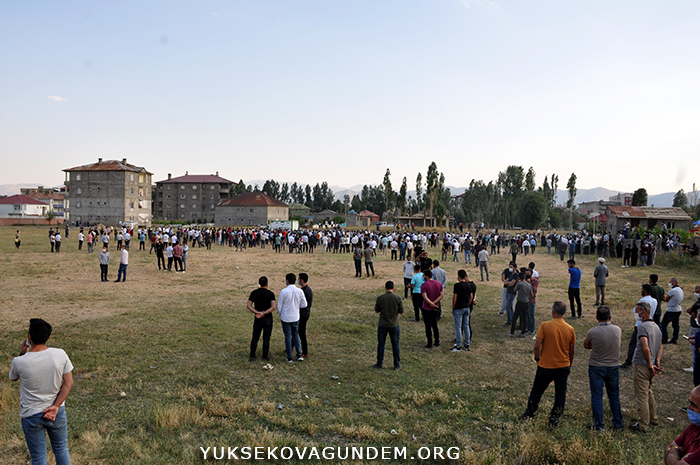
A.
pixel 161 362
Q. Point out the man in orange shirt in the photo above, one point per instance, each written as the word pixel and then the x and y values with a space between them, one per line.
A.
pixel 554 353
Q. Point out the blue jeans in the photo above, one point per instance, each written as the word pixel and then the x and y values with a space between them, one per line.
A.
pixel 461 318
pixel 610 378
pixel 468 256
pixel 122 271
pixel 531 317
pixel 510 298
pixel 291 336
pixel 35 429
pixel 381 342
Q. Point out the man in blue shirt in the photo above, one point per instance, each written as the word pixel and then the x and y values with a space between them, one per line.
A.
pixel 574 288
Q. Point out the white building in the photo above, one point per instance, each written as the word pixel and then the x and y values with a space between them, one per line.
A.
pixel 21 206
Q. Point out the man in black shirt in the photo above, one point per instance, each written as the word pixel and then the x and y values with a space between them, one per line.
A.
pixel 462 300
pixel 389 306
pixel 305 312
pixel 262 303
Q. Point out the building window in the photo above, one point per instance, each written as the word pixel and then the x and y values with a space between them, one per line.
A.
pixel 212 206
pixel 131 177
pixel 78 191
pixel 168 186
pixel 194 188
pixel 132 191
pixel 182 206
pixel 167 215
pixel 142 178
pixel 277 211
pixel 212 197
pixel 167 206
pixel 213 187
pixel 77 205
pixel 78 177
pixel 194 207
pixel 251 210
pixel 194 216
pixel 140 191
pixel 182 196
pixel 182 215
pixel 131 205
pixel 168 196
pixel 182 188
pixel 194 197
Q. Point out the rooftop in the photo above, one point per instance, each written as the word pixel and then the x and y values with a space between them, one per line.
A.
pixel 109 165
pixel 657 213
pixel 253 199
pixel 197 179
pixel 20 200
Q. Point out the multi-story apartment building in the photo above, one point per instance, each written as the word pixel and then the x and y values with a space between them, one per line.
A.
pixel 190 197
pixel 110 192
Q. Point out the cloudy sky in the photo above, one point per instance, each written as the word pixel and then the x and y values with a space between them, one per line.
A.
pixel 339 91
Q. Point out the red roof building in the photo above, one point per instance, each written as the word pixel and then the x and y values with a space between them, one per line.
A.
pixel 21 206
pixel 250 209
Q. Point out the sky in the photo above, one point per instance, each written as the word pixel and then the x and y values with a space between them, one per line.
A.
pixel 309 91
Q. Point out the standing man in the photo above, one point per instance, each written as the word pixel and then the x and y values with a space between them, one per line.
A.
pixel 305 312
pixel 554 353
pixel 103 258
pixel 291 300
pixel 389 307
pixel 369 263
pixel 58 240
pixel 462 300
pixel 514 251
pixel 535 283
pixel 440 276
pixel 657 292
pixel 416 295
pixel 600 274
pixel 647 365
pixel 261 303
pixel 604 343
pixel 432 295
pixel 169 253
pixel 483 259
pixel 123 263
pixel 574 288
pixel 45 380
pixel 177 256
pixel 357 258
pixel 81 238
pixel 523 291
pixel 18 240
pixel 509 277
pixel 674 297
pixel 407 275
pixel 632 347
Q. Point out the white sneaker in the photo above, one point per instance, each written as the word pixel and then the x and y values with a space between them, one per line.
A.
pixel 689 370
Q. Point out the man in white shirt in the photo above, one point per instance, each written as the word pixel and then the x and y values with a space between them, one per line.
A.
pixel 46 379
pixel 290 300
pixel 674 297
pixel 123 263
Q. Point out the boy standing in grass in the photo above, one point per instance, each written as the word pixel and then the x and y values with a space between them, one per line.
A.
pixel 46 378
pixel 261 303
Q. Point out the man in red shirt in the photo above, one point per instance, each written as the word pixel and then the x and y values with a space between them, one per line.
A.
pixel 685 450
pixel 432 295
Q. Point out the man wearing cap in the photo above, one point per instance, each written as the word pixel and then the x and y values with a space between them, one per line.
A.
pixel 600 274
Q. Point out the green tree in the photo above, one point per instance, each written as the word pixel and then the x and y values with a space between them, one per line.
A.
pixel 510 182
pixel 432 180
pixel 308 197
pixel 532 210
pixel 271 188
pixel 238 188
pixel 554 182
pixel 571 188
pixel 388 191
pixel 680 199
pixel 530 180
pixel 284 193
pixel 419 191
pixel 401 199
pixel 639 198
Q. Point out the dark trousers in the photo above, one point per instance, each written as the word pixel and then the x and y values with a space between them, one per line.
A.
pixel 432 333
pixel 178 263
pixel 142 245
pixel 369 265
pixel 264 326
pixel 406 289
pixel 170 263
pixel 575 294
pixel 543 378
pixel 304 315
pixel 161 258
pixel 103 272
pixel 381 343
pixel 358 268
pixel 631 347
pixel 80 245
pixel 521 312
pixel 670 317
pixel 417 304
pixel 121 274
pixel 515 256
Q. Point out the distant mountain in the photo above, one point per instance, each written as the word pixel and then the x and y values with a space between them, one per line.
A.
pixel 12 189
